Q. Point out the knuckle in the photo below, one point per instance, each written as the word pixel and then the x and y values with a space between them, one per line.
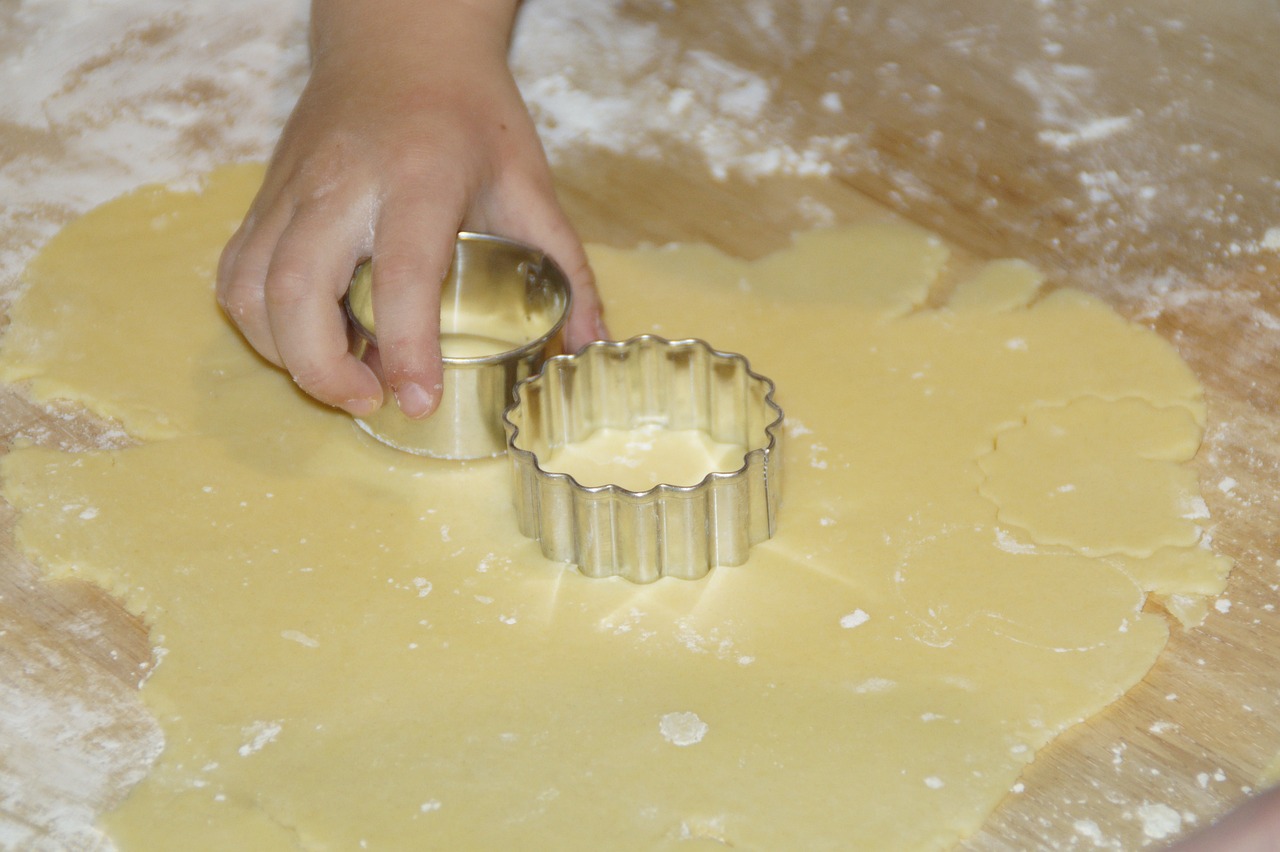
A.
pixel 412 164
pixel 581 277
pixel 287 288
pixel 317 378
pixel 331 158
pixel 238 299
pixel 398 268
pixel 406 357
pixel 402 358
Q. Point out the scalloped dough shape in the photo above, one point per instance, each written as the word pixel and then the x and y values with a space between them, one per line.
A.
pixel 361 650
pixel 1100 477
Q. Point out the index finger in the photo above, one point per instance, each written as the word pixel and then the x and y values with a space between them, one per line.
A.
pixel 413 248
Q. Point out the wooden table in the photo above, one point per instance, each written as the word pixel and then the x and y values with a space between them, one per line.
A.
pixel 1130 151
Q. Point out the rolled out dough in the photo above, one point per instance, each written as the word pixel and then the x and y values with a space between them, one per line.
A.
pixel 358 649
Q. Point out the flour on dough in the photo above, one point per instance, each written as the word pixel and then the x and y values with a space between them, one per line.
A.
pixel 998 483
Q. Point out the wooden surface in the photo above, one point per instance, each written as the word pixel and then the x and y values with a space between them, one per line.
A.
pixel 1150 177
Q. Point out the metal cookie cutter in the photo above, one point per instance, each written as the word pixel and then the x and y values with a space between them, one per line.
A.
pixel 668 530
pixel 503 306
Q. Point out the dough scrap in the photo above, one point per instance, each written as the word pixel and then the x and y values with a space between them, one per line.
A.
pixel 361 651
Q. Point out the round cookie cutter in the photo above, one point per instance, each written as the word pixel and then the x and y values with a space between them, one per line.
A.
pixel 503 309
pixel 667 530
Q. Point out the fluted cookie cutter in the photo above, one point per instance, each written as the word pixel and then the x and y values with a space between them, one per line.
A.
pixel 503 306
pixel 668 530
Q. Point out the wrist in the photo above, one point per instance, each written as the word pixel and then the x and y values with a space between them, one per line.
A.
pixel 414 32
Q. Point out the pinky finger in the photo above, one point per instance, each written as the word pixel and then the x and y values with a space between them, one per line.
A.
pixel 544 225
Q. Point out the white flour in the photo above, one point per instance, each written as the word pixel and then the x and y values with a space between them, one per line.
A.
pixel 595 77
pixel 107 96
pixel 854 619
pixel 682 728
pixel 258 736
pixel 75 740
pixel 1159 820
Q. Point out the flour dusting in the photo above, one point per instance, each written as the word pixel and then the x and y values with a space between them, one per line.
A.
pixel 874 685
pixel 109 96
pixel 854 619
pixel 76 743
pixel 1006 541
pixel 682 729
pixel 1087 828
pixel 258 736
pixel 1159 820
pixel 299 637
pixel 595 77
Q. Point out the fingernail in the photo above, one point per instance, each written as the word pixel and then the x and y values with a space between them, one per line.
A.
pixel 413 400
pixel 602 330
pixel 361 407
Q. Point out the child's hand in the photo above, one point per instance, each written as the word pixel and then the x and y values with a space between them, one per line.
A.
pixel 410 129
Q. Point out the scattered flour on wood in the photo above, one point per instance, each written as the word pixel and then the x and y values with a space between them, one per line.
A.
pixel 1159 820
pixel 109 96
pixel 595 77
pixel 76 743
pixel 1088 829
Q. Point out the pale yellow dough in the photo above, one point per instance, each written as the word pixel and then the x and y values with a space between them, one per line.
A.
pixel 643 457
pixel 359 650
